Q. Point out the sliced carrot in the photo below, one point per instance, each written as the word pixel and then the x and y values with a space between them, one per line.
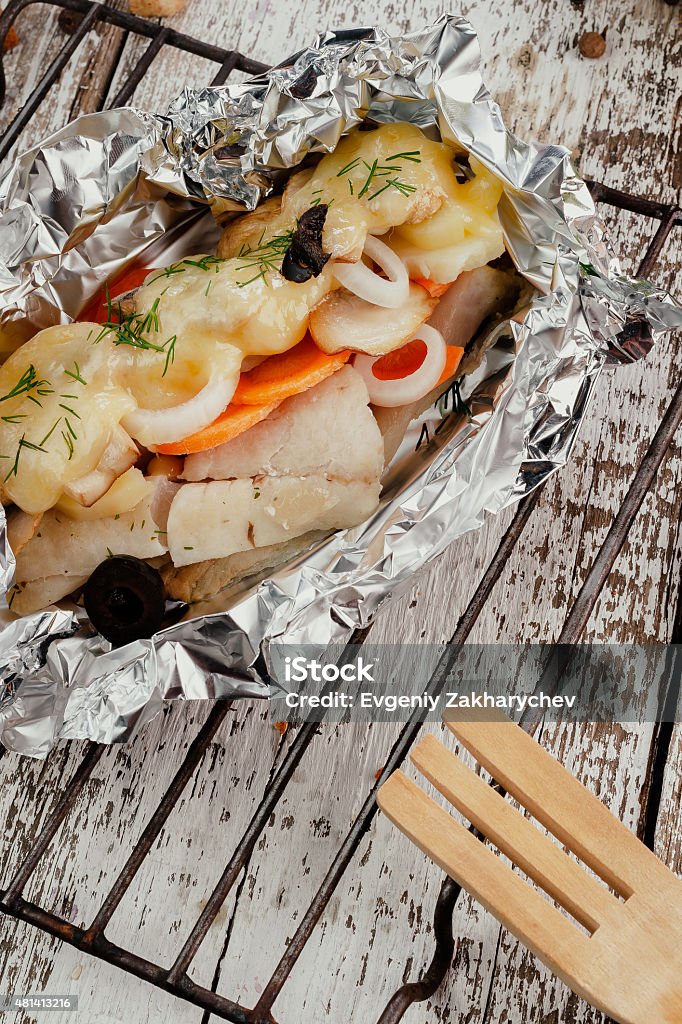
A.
pixel 401 362
pixel 281 376
pixel 434 288
pixel 234 421
pixel 453 357
pixel 97 311
pixel 407 359
pixel 259 392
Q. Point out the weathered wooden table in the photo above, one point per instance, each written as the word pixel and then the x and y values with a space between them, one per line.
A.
pixel 622 116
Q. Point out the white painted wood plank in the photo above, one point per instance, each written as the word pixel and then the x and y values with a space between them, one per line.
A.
pixel 79 86
pixel 387 899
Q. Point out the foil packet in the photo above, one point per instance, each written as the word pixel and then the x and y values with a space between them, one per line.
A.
pixel 112 185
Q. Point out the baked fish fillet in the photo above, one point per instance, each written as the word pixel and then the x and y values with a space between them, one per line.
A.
pixel 63 553
pixel 326 431
pixel 223 517
pixel 313 465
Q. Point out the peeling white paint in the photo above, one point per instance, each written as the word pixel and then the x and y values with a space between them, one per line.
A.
pixel 377 931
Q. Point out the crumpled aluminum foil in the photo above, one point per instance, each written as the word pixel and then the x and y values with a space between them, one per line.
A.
pixel 105 188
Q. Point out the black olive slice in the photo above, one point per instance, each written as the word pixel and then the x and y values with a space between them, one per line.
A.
pixel 304 258
pixel 125 599
pixel 632 343
pixel 294 271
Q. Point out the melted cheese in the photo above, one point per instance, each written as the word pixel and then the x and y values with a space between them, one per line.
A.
pixel 218 325
pixel 55 431
pixel 463 235
pixel 210 313
pixel 392 181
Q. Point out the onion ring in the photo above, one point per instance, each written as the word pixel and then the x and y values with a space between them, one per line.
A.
pixel 164 426
pixel 363 282
pixel 404 390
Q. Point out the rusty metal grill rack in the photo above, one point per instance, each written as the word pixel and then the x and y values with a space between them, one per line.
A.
pixel 176 979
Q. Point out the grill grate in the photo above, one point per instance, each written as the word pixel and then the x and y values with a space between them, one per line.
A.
pixel 175 979
pixel 91 16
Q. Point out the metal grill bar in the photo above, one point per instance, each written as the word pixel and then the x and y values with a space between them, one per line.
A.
pixel 176 980
pixel 601 567
pixel 157 821
pixel 127 961
pixel 140 69
pixel 225 70
pixel 243 852
pixel 94 13
pixel 45 84
pixel 11 896
pixel 432 978
pixel 669 216
pixel 673 219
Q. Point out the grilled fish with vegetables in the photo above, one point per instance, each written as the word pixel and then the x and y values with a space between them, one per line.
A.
pixel 213 416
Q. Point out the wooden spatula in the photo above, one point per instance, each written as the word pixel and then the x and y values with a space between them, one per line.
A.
pixel 626 959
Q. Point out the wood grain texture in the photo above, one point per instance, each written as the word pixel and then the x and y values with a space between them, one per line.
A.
pixel 82 83
pixel 621 116
pixel 620 958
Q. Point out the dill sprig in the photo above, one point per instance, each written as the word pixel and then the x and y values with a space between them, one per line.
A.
pixel 75 374
pixel 34 388
pixel 453 397
pixel 68 434
pixel 318 193
pixel 23 443
pixel 205 264
pixel 69 410
pixel 133 329
pixel 170 354
pixel 28 382
pixel 264 257
pixel 384 175
pixel 67 438
pixel 50 432
pixel 412 155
